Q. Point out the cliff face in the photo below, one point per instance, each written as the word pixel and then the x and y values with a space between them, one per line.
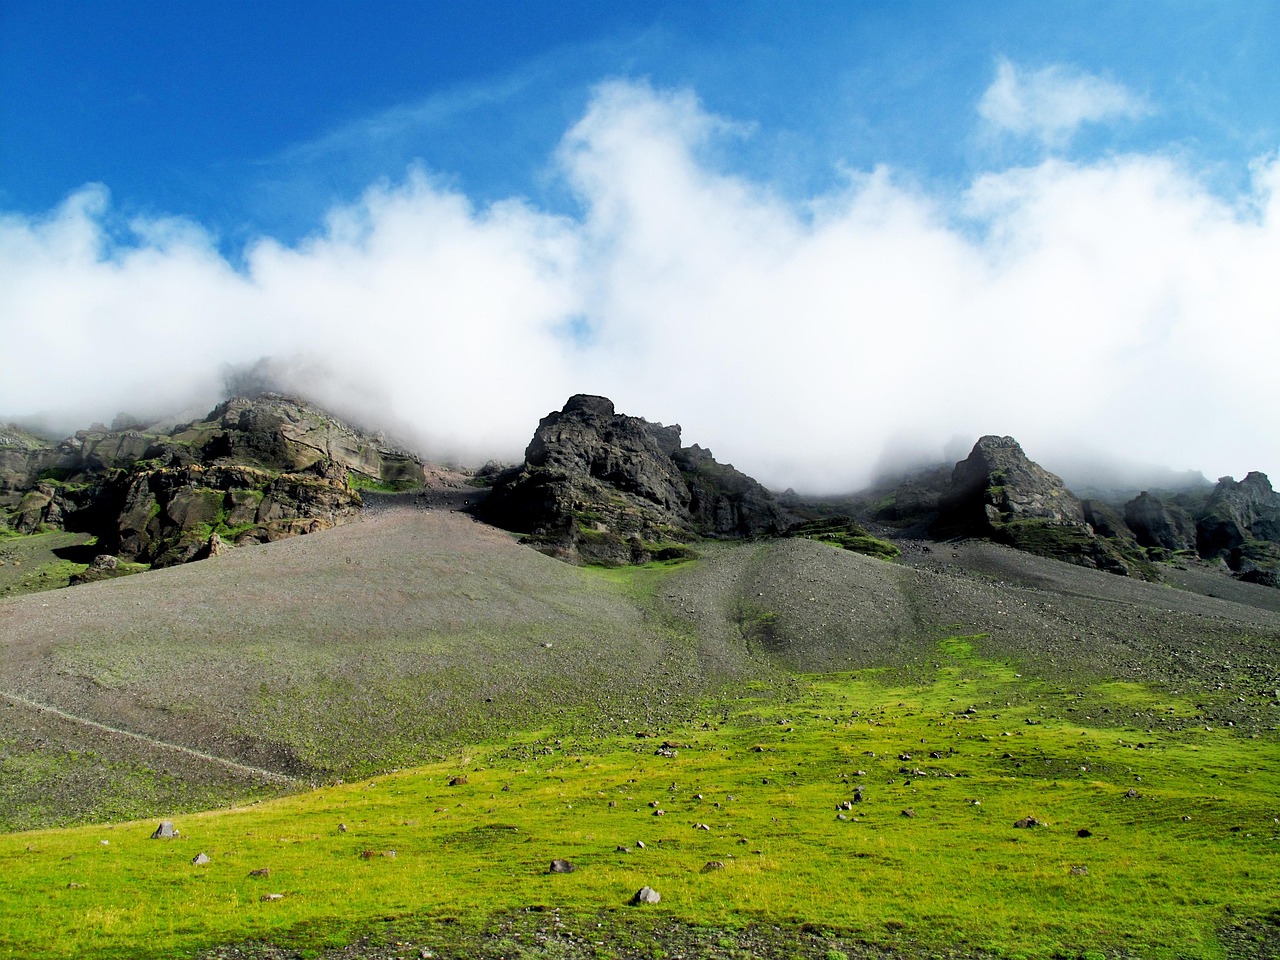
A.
pixel 603 487
pixel 253 470
pixel 1240 524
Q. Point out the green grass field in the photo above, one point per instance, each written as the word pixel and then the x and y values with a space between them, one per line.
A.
pixel 1195 847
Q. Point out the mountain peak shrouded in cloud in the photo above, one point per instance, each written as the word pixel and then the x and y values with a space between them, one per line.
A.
pixel 1116 304
pixel 1051 103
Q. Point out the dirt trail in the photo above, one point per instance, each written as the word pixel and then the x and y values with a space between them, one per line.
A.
pixel 149 741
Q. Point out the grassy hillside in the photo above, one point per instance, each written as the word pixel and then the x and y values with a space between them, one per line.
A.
pixel 382 644
pixel 1181 856
pixel 402 638
pixel 750 691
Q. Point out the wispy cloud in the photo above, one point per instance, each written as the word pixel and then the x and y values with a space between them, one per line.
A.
pixel 1052 103
pixel 1118 304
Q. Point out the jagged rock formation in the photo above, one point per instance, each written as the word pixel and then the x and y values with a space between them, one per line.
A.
pixel 600 486
pixel 1241 525
pixel 254 470
pixel 997 493
pixel 997 484
pixel 1158 525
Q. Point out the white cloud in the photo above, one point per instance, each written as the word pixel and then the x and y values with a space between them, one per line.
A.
pixel 1118 305
pixel 1050 104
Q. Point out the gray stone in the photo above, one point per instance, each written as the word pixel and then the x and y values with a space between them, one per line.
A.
pixel 200 859
pixel 646 895
pixel 561 866
pixel 165 831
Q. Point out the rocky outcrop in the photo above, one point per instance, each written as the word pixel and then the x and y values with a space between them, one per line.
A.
pixel 1237 513
pixel 1158 525
pixel 169 516
pixel 600 486
pixel 998 493
pixel 997 485
pixel 283 433
pixel 254 470
pixel 1240 524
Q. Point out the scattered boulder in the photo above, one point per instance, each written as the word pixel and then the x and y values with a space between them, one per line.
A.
pixel 459 781
pixel 646 895
pixel 712 865
pixel 263 872
pixel 1026 823
pixel 1080 871
pixel 200 859
pixel 561 866
pixel 165 831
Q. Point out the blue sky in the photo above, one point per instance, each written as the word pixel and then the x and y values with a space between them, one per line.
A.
pixel 607 197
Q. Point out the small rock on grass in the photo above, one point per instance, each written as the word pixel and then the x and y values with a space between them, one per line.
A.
pixel 200 859
pixel 712 865
pixel 561 866
pixel 165 831
pixel 264 872
pixel 1026 823
pixel 646 895
pixel 268 897
pixel 1080 871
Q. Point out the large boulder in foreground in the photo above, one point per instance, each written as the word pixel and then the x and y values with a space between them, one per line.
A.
pixel 603 487
pixel 998 493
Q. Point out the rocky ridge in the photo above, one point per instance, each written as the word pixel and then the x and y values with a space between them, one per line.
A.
pixel 255 469
pixel 602 487
pixel 998 493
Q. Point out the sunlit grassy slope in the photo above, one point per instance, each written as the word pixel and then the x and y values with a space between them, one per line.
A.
pixel 1182 831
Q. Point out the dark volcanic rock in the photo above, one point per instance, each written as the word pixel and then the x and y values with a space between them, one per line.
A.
pixel 1240 524
pixel 997 493
pixel 1158 524
pixel 1237 513
pixel 997 484
pixel 604 487
pixel 1106 520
